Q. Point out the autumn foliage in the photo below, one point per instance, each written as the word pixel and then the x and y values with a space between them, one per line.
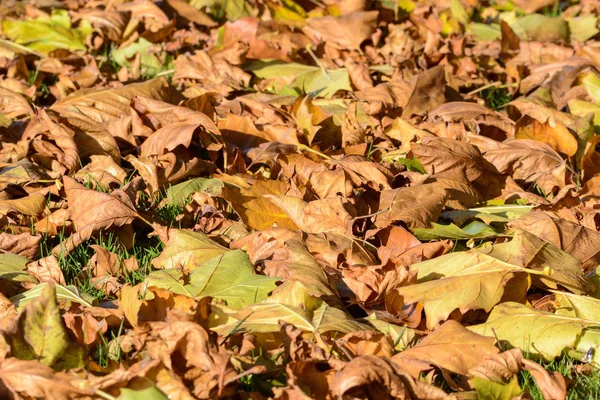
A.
pixel 294 199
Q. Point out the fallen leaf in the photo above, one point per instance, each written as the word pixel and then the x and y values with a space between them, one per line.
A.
pixel 230 277
pixel 292 303
pixel 187 249
pixel 375 376
pixel 40 381
pixel 450 346
pixel 345 31
pixel 40 334
pixel 179 194
pixel 417 206
pixel 530 329
pixel 31 205
pixel 558 136
pixel 552 385
pixel 47 34
pixel 440 155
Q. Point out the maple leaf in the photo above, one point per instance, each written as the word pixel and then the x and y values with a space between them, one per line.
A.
pixel 322 199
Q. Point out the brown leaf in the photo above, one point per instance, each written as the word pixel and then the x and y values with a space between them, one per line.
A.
pixel 532 6
pixel 91 137
pixel 210 371
pixel 85 327
pixel 62 155
pixel 364 173
pixel 296 348
pixel 343 32
pixel 257 211
pixel 326 215
pixel 367 343
pixel 260 45
pixel 306 380
pixel 529 162
pixel 391 94
pixel 102 172
pixel 552 385
pixel 451 346
pixel 439 155
pixel 47 270
pixel 105 268
pixel 577 240
pixel 190 13
pixel 13 105
pixel 91 211
pixel 156 308
pixel 371 284
pixel 175 126
pixel 214 75
pixel 23 244
pixel 416 206
pixel 359 74
pixel 30 205
pixel 32 379
pixel 294 263
pixel 376 377
pixel 428 92
pixel 453 121
pixel 402 248
pixel 499 368
pixel 591 159
pixel 104 105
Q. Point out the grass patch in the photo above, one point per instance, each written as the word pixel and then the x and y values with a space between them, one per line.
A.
pixel 169 213
pixel 145 249
pixel 496 98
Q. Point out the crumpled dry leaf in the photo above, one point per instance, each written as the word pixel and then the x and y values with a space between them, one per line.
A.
pixel 552 385
pixel 577 240
pixel 529 162
pixel 90 211
pixel 373 377
pixel 24 244
pixel 343 32
pixel 439 155
pixel 30 378
pixel 500 367
pixel 416 206
pixel 372 284
pixel 320 199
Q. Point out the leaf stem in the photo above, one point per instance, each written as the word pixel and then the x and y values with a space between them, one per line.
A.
pixel 316 60
pixel 303 147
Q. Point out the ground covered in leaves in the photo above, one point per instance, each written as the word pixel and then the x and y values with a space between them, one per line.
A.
pixel 299 199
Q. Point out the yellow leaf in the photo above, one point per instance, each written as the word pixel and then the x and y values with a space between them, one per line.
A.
pixel 188 249
pixel 555 135
pixel 41 335
pixel 31 205
pixel 538 332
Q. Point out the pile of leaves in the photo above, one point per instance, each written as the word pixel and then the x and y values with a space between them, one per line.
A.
pixel 298 199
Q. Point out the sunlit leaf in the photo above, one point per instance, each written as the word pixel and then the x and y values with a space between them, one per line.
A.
pixel 47 34
pixel 68 293
pixel 534 331
pixel 474 230
pixel 44 336
pixel 178 194
pixel 230 277
pixel 187 249
pixel 314 81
